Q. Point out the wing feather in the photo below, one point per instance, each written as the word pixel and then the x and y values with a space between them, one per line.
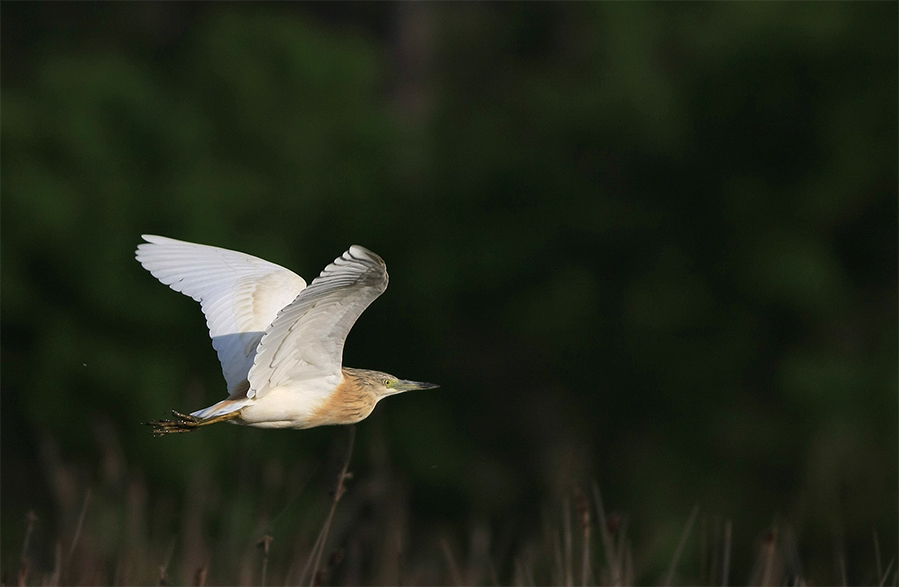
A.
pixel 240 294
pixel 305 341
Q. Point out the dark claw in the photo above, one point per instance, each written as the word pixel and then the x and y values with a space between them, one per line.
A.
pixel 182 423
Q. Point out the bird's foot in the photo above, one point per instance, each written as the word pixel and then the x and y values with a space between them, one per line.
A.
pixel 181 423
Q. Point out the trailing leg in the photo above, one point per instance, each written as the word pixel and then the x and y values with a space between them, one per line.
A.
pixel 187 423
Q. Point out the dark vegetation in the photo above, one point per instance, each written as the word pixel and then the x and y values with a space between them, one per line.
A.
pixel 646 249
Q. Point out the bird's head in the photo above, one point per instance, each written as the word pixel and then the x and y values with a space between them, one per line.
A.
pixel 384 384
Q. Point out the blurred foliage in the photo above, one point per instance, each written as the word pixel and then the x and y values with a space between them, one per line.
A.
pixel 652 245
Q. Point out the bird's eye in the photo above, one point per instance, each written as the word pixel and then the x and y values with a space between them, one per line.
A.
pixel 387 383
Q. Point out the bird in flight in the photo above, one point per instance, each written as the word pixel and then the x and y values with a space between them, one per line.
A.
pixel 280 342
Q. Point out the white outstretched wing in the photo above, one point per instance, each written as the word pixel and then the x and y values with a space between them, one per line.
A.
pixel 240 294
pixel 306 339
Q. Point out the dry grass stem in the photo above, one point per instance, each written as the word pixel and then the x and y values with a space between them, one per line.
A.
pixel 769 546
pixel 611 558
pixel 681 543
pixel 528 566
pixel 78 528
pixel 399 559
pixel 164 567
pixel 264 544
pixel 841 560
pixel 518 578
pixel 25 567
pixel 30 519
pixel 566 523
pixel 623 550
pixel 791 552
pixel 887 573
pixel 200 577
pixel 494 578
pixel 57 568
pixel 559 567
pixel 312 555
pixel 455 574
pixel 628 567
pixel 582 507
pixel 725 566
pixel 703 548
pixel 714 554
pixel 319 548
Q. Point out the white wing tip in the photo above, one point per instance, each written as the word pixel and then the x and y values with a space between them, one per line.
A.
pixel 360 252
pixel 152 239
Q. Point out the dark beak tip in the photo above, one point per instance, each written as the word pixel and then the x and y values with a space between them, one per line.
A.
pixel 418 385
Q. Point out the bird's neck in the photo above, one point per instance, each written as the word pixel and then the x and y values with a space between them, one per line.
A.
pixel 350 402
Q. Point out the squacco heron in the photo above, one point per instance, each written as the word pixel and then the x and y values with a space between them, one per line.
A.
pixel 280 343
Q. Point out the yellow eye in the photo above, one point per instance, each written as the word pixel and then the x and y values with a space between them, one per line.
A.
pixel 387 383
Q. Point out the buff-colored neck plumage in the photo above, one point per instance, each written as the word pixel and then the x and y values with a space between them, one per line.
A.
pixel 352 400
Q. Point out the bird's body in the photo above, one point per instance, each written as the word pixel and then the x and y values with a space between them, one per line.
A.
pixel 348 402
pixel 280 343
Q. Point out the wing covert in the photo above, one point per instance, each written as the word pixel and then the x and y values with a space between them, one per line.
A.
pixel 306 339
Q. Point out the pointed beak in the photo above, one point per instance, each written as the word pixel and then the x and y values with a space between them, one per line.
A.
pixel 404 385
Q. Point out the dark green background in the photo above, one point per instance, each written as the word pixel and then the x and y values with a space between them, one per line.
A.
pixel 648 245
